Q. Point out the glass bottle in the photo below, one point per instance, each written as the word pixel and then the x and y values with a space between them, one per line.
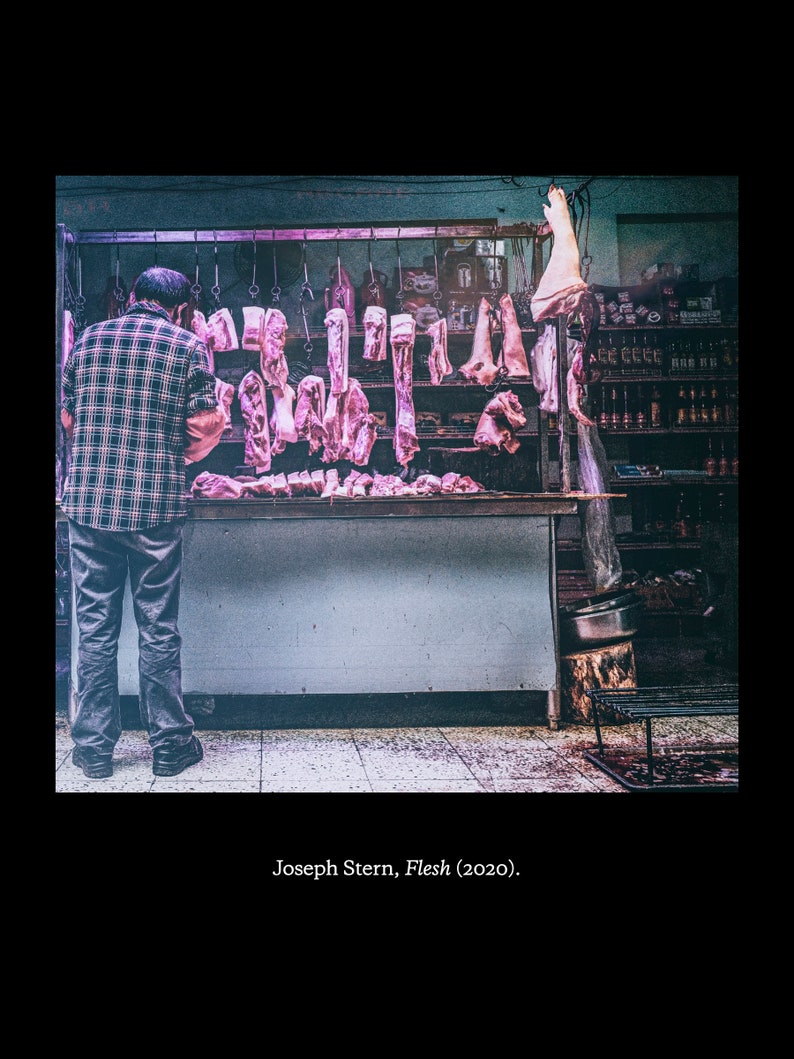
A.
pixel 674 359
pixel 691 363
pixel 702 358
pixel 626 357
pixel 680 523
pixel 614 356
pixel 715 406
pixel 658 357
pixel 710 463
pixel 713 357
pixel 637 360
pixel 648 360
pixel 723 467
pixel 656 407
pixel 614 415
pixel 603 354
pixel 692 417
pixel 627 420
pixel 704 415
pixel 640 417
pixel 735 463
pixel 603 416
pixel 697 526
pixel 682 407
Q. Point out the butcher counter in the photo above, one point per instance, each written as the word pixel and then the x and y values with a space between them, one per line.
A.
pixel 375 595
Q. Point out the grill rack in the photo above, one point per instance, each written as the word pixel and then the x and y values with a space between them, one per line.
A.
pixel 648 704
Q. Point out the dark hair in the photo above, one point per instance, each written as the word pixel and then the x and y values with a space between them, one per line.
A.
pixel 162 285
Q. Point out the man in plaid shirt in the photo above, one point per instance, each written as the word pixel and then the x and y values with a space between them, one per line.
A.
pixel 138 404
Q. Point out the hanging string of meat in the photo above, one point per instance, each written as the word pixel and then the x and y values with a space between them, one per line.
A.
pixel 438 361
pixel 480 366
pixel 253 404
pixel 282 421
pixel 338 327
pixel 310 411
pixel 219 335
pixel 514 357
pixel 272 361
pixel 374 333
pixel 501 418
pixel 403 335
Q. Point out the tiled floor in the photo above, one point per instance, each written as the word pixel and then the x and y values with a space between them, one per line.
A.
pixel 434 759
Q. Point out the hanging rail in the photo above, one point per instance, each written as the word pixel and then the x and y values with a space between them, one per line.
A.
pixel 294 235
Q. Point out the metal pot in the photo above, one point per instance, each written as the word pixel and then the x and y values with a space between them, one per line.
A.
pixel 597 627
pixel 604 601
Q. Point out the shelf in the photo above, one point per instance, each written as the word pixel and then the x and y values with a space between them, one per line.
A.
pixel 636 376
pixel 645 546
pixel 665 480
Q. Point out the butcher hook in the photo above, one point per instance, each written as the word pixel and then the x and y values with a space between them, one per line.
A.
pixel 437 291
pixel 118 290
pixel 253 290
pixel 306 291
pixel 216 290
pixel 340 290
pixel 195 290
pixel 275 290
pixel 400 295
pixel 373 286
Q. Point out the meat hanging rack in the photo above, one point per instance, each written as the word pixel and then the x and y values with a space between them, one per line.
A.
pixel 291 235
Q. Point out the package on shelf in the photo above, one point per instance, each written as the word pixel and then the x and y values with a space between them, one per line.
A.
pixel 628 306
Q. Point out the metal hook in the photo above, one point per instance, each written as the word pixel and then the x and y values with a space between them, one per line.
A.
pixel 253 290
pixel 155 246
pixel 216 290
pixel 195 290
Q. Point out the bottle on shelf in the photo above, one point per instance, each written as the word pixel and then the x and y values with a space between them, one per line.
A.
pixel 603 354
pixel 640 416
pixel 637 360
pixel 710 463
pixel 692 416
pixel 626 357
pixel 682 523
pixel 723 467
pixel 735 462
pixel 674 359
pixel 604 418
pixel 682 410
pixel 702 358
pixel 614 414
pixel 704 412
pixel 648 362
pixel 614 356
pixel 697 525
pixel 713 357
pixel 656 407
pixel 627 420
pixel 691 363
pixel 658 357
pixel 715 406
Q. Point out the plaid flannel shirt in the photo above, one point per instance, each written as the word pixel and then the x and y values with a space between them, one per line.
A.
pixel 130 384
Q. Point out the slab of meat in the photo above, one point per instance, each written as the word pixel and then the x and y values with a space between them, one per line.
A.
pixel 543 359
pixel 216 486
pixel 310 411
pixel 224 392
pixel 514 356
pixel 282 421
pixel 272 362
pixel 222 334
pixel 438 361
pixel 480 366
pixel 374 333
pixel 403 333
pixel 331 482
pixel 427 483
pixel 336 322
pixel 253 403
pixel 67 342
pixel 350 428
pixel 502 416
pixel 561 290
pixel 253 327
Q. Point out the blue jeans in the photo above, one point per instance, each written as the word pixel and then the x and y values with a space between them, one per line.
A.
pixel 100 562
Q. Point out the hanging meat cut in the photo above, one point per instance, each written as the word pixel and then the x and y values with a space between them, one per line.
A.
pixel 374 333
pixel 480 366
pixel 502 416
pixel 438 361
pixel 253 327
pixel 514 356
pixel 562 291
pixel 310 411
pixel 253 403
pixel 282 421
pixel 349 426
pixel 403 334
pixel 338 327
pixel 272 361
pixel 224 392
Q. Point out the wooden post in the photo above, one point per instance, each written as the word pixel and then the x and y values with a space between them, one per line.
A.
pixel 612 666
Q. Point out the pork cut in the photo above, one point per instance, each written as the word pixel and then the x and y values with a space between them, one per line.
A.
pixel 438 361
pixel 253 404
pixel 480 366
pixel 282 421
pixel 338 329
pixel 224 394
pixel 501 418
pixel 310 411
pixel 253 327
pixel 272 361
pixel 403 335
pixel 543 360
pixel 514 357
pixel 350 428
pixel 374 333
pixel 221 332
pixel 216 486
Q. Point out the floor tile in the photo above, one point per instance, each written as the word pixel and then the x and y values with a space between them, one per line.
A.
pixel 409 754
